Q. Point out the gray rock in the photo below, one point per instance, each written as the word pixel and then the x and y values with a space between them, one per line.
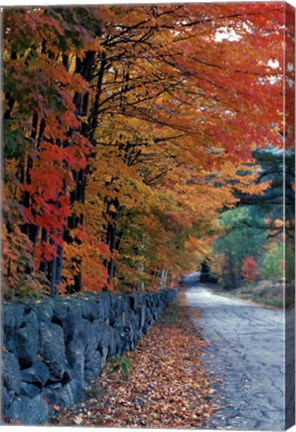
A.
pixel 120 321
pixel 9 344
pixel 119 307
pixel 12 318
pixel 113 342
pixel 103 340
pixel 105 300
pixel 44 310
pixel 28 411
pixel 71 393
pixel 56 382
pixel 55 402
pixel 129 336
pixel 30 390
pixel 133 301
pixel 88 337
pixel 125 335
pixel 68 314
pixel 90 310
pixel 99 327
pixel 59 313
pixel 11 373
pixel 5 399
pixel 38 374
pixel 26 340
pixel 103 308
pixel 93 367
pixel 114 308
pixel 9 323
pixel 52 349
pixel 75 356
pixel 142 316
pixel 53 385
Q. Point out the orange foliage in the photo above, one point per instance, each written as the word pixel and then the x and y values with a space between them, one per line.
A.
pixel 125 128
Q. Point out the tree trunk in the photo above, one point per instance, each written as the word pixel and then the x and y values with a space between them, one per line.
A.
pixel 52 273
pixel 85 68
pixel 111 264
pixel 44 263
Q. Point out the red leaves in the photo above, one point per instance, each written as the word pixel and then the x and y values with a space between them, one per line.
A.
pixel 74 155
pixel 249 269
pixel 28 216
pixel 44 251
pixel 95 102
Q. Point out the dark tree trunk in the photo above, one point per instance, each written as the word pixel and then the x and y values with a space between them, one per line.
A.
pixel 86 69
pixel 112 238
pixel 52 273
pixel 44 263
pixel 111 264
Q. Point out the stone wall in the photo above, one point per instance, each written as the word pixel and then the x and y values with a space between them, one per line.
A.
pixel 52 349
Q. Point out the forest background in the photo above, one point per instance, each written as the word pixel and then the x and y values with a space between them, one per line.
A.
pixel 140 140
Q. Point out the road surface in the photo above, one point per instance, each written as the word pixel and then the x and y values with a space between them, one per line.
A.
pixel 247 351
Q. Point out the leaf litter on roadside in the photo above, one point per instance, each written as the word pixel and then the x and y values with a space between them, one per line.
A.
pixel 165 385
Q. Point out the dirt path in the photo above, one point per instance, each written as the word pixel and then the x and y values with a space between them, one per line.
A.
pixel 247 350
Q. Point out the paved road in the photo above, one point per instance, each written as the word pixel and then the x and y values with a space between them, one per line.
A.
pixel 247 350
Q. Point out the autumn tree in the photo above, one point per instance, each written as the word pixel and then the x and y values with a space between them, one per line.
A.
pixel 249 269
pixel 124 130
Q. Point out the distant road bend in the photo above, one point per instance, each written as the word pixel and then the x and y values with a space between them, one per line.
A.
pixel 247 351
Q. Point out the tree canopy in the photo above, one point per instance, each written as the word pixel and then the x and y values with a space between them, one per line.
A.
pixel 125 128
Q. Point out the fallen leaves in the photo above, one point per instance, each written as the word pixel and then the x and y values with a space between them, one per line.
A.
pixel 78 419
pixel 165 387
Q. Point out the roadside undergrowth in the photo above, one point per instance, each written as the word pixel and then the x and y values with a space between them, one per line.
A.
pixel 161 384
pixel 263 293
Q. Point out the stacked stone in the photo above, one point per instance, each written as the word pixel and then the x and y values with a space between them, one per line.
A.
pixel 52 349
